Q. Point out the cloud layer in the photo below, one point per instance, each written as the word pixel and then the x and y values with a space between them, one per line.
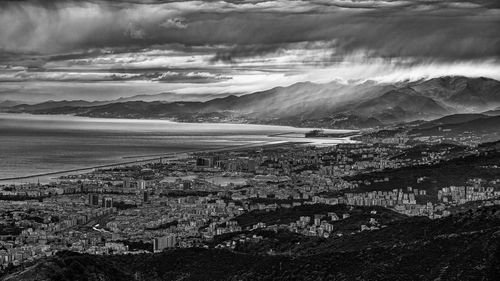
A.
pixel 223 42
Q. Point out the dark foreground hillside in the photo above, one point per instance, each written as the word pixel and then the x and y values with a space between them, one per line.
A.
pixel 465 246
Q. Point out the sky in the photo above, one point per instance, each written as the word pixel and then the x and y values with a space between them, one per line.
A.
pixel 107 49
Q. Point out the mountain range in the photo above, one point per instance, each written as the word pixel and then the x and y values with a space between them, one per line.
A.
pixel 333 105
pixel 9 103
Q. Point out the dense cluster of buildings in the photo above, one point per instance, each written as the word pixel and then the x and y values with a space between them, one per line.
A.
pixel 186 201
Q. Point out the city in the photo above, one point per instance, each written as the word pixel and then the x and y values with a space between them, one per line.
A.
pixel 195 200
pixel 249 140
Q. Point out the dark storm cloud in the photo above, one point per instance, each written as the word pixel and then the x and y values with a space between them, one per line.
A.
pixel 420 30
pixel 390 34
pixel 167 76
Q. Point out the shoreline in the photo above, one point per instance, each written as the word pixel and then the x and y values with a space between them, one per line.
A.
pixel 280 138
pixel 125 120
pixel 157 157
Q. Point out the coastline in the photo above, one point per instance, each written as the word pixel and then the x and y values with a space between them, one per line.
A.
pixel 158 157
pixel 288 135
pixel 159 120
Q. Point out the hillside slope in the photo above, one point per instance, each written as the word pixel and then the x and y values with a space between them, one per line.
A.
pixel 465 246
pixel 332 104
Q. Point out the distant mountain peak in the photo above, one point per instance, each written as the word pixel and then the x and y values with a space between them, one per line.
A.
pixel 305 103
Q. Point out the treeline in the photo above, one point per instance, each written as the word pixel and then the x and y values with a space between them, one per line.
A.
pixel 452 172
pixel 357 215
pixel 20 197
pixel 184 193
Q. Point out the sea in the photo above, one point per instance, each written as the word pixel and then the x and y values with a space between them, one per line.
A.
pixel 33 145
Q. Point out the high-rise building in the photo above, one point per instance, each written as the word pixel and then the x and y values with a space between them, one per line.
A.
pixel 107 202
pixel 161 243
pixel 186 185
pixel 202 162
pixel 93 199
pixel 251 166
pixel 126 182
pixel 207 161
pixel 141 184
